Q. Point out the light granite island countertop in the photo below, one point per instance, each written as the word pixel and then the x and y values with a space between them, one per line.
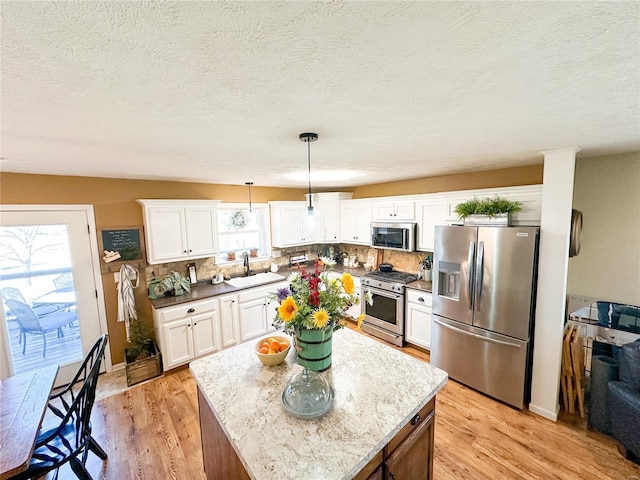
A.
pixel 378 392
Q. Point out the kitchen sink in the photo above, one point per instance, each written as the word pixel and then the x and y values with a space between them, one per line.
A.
pixel 253 280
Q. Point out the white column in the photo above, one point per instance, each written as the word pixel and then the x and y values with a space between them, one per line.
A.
pixel 553 263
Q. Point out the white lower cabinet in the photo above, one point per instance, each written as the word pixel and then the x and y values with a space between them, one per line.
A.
pixel 256 310
pixel 187 331
pixel 229 325
pixel 418 318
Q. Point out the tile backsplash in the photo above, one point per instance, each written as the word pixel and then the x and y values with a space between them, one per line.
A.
pixel 207 267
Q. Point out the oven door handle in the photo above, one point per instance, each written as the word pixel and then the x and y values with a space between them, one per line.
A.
pixel 386 332
pixel 382 293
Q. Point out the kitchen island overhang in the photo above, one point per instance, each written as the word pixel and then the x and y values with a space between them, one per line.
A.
pixel 379 392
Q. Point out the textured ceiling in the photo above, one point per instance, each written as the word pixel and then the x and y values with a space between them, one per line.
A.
pixel 218 92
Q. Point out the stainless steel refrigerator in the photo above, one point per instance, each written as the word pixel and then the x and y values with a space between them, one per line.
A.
pixel 484 292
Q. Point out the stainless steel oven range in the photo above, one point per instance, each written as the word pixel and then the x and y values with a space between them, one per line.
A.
pixel 385 318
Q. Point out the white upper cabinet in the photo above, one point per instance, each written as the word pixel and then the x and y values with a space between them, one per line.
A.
pixel 179 229
pixel 430 212
pixel 288 227
pixel 394 210
pixel 328 209
pixel 355 221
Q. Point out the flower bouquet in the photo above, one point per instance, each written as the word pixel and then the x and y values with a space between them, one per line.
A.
pixel 312 307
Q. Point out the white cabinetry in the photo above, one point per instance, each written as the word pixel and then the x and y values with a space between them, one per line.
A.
pixel 395 210
pixel 229 323
pixel 187 331
pixel 418 318
pixel 328 208
pixel 431 211
pixel 288 227
pixel 178 230
pixel 256 310
pixel 355 221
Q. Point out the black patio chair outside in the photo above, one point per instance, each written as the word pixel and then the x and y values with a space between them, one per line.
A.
pixel 12 293
pixel 70 441
pixel 29 322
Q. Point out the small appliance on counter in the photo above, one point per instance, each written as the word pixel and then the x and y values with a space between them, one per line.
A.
pixel 297 258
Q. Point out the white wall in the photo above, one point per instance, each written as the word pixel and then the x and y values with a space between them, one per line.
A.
pixel 555 226
pixel 607 191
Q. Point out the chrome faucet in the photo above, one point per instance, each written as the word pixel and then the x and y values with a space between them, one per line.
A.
pixel 247 269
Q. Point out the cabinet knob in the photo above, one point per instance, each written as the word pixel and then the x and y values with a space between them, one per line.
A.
pixel 191 310
pixel 195 323
pixel 420 299
pixel 184 251
pixel 416 420
pixel 190 251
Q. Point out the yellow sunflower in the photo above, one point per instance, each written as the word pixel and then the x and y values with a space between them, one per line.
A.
pixel 360 319
pixel 320 318
pixel 347 283
pixel 288 309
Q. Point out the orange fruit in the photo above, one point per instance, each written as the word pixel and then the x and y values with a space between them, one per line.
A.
pixel 283 346
pixel 264 350
pixel 264 344
pixel 275 345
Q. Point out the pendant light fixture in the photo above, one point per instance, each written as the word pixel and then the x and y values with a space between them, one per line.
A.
pixel 308 138
pixel 249 185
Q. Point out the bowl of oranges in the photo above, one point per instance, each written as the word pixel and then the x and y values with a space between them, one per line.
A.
pixel 273 350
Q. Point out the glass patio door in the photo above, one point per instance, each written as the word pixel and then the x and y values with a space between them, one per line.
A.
pixel 51 288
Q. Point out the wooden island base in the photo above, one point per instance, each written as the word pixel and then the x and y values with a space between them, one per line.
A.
pixel 408 456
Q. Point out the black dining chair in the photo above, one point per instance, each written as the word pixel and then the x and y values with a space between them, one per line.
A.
pixel 70 440
pixel 30 323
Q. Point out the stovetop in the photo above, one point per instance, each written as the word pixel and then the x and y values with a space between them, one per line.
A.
pixel 393 276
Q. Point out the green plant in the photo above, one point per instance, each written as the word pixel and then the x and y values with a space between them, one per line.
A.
pixel 140 340
pixel 487 206
pixel 176 283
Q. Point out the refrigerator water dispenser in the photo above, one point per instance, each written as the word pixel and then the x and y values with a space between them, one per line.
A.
pixel 449 280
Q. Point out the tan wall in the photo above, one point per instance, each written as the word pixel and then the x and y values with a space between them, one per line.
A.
pixel 505 177
pixel 607 191
pixel 114 202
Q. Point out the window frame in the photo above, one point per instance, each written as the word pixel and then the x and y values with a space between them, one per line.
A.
pixel 265 249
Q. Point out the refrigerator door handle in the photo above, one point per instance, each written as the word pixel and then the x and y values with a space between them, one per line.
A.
pixel 480 337
pixel 470 273
pixel 479 272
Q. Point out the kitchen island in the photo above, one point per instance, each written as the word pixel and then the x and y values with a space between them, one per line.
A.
pixel 382 417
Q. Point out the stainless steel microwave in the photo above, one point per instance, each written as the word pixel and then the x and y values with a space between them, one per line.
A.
pixel 394 236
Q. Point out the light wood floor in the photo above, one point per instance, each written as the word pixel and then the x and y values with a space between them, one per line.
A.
pixel 151 432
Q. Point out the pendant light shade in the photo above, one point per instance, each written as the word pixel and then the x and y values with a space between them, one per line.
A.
pixel 308 138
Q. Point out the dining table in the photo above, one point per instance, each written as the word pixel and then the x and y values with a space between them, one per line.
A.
pixel 23 403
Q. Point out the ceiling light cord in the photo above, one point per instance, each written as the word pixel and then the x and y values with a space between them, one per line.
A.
pixel 308 138
pixel 249 185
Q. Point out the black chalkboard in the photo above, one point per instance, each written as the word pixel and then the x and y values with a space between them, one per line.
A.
pixel 125 241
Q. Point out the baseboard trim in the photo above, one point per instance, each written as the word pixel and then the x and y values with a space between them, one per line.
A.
pixel 543 412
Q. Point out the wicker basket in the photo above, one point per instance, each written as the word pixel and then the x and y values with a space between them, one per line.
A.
pixel 145 368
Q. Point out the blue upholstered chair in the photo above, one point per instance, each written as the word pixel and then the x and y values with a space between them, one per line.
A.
pixel 624 401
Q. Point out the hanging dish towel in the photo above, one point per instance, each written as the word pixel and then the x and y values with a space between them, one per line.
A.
pixel 126 300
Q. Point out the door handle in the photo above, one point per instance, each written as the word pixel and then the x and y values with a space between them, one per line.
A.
pixel 480 337
pixel 479 273
pixel 470 272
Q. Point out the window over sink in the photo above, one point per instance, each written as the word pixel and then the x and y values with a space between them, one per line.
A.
pixel 242 230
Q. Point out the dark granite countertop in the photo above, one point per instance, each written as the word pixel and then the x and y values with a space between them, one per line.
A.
pixel 421 285
pixel 205 289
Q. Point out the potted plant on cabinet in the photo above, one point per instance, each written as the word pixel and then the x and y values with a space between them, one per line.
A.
pixel 141 357
pixel 487 211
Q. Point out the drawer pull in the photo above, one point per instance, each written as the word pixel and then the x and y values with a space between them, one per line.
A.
pixel 191 310
pixel 420 299
pixel 416 420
